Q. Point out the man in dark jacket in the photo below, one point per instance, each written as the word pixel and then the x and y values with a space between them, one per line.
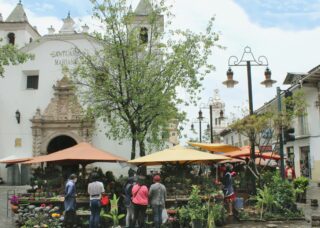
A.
pixel 157 197
pixel 70 201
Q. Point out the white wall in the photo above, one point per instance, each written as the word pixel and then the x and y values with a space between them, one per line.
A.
pixel 14 96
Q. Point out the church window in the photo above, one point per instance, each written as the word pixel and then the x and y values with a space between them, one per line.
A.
pixel 32 81
pixel 144 35
pixel 11 38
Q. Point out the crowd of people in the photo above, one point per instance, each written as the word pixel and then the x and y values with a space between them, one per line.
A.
pixel 137 197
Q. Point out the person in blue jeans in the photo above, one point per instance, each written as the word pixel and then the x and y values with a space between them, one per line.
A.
pixel 157 198
pixel 95 189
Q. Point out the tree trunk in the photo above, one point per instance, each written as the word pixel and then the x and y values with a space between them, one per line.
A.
pixel 133 147
pixel 131 172
pixel 142 146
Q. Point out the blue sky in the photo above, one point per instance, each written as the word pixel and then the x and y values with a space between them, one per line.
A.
pixel 59 8
pixel 287 32
pixel 285 14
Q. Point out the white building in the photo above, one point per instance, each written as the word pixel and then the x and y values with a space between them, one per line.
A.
pixel 304 151
pixel 217 115
pixel 39 111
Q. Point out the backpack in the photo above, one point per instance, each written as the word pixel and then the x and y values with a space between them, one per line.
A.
pixel 128 194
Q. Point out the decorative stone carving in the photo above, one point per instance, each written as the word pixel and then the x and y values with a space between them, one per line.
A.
pixel 63 116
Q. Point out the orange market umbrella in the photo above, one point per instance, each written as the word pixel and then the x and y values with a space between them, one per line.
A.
pixel 215 147
pixel 178 155
pixel 14 161
pixel 233 160
pixel 82 153
pixel 245 152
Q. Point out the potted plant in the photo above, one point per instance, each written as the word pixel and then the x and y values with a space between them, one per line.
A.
pixel 14 201
pixel 196 210
pixel 216 215
pixel 300 185
pixel 113 214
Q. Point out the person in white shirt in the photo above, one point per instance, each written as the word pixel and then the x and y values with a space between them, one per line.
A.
pixel 95 189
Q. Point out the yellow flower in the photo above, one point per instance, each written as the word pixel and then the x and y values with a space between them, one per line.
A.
pixel 55 215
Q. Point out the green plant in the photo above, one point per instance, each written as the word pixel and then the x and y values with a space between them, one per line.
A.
pixel 300 184
pixel 284 194
pixel 183 215
pixel 42 220
pixel 113 214
pixel 265 200
pixel 195 207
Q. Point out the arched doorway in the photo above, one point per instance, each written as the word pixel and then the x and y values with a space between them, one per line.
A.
pixel 59 143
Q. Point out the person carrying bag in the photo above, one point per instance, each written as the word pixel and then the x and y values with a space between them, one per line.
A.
pixel 157 196
pixel 140 203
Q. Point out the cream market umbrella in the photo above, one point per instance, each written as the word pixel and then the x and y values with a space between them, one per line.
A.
pixel 215 147
pixel 178 155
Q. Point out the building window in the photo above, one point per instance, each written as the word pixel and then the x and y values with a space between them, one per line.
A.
pixel 303 127
pixel 305 168
pixel 232 140
pixel 32 81
pixel 30 40
pixel 216 121
pixel 290 154
pixel 227 140
pixel 144 35
pixel 11 38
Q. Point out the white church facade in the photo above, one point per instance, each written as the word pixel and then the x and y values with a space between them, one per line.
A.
pixel 39 110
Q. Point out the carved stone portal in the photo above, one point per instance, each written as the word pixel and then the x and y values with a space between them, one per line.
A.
pixel 63 116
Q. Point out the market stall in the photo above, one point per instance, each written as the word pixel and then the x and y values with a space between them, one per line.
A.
pixel 178 170
pixel 43 196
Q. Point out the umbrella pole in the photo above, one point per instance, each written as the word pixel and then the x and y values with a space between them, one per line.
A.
pixel 83 170
pixel 217 168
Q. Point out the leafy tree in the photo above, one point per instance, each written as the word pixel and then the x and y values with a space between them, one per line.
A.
pixel 264 126
pixel 133 85
pixel 9 54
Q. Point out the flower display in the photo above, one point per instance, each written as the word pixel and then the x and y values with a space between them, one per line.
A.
pixel 14 200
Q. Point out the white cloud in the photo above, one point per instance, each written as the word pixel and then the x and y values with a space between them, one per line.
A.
pixel 287 51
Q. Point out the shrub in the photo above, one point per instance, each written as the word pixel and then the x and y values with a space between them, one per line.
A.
pixel 300 184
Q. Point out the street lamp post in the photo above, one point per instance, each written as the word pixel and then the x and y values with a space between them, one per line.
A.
pixel 249 60
pixel 200 119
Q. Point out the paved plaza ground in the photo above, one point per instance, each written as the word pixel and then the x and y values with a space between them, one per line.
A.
pixel 7 221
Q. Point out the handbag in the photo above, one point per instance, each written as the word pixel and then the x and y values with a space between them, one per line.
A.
pixel 164 215
pixel 104 200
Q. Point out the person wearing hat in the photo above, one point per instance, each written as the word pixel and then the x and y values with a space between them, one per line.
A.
pixel 70 201
pixel 157 197
pixel 228 189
